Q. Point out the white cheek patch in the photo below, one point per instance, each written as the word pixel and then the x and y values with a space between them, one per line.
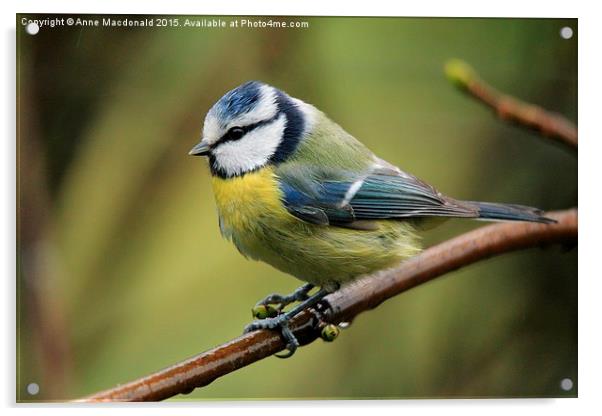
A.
pixel 252 151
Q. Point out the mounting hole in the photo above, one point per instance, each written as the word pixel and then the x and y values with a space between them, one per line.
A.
pixel 32 28
pixel 566 384
pixel 566 32
pixel 33 388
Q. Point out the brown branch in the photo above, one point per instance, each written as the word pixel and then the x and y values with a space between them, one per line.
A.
pixel 344 305
pixel 552 125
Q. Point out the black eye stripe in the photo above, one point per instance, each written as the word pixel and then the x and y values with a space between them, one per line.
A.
pixel 236 133
pixel 227 137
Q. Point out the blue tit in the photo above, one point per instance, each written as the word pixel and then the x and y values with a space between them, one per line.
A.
pixel 295 190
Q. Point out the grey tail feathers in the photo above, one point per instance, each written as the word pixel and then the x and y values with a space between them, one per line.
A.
pixel 510 212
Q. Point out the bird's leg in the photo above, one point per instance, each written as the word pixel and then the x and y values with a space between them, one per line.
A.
pixel 282 321
pixel 300 294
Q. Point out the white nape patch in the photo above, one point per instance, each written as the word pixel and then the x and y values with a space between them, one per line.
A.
pixel 355 186
pixel 252 151
pixel 309 113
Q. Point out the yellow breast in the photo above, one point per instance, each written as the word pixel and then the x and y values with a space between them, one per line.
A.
pixel 241 201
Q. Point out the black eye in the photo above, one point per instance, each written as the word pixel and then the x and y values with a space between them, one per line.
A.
pixel 235 133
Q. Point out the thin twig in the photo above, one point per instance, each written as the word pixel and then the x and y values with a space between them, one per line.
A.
pixel 346 304
pixel 552 125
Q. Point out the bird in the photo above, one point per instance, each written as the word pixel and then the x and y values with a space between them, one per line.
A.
pixel 295 190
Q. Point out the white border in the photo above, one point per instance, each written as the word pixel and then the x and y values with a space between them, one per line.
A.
pixel 589 34
pixel 506 8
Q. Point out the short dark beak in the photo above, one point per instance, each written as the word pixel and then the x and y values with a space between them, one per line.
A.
pixel 201 149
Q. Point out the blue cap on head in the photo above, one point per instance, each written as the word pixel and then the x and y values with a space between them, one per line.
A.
pixel 240 100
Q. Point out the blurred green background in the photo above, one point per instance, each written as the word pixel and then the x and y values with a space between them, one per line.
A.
pixel 121 268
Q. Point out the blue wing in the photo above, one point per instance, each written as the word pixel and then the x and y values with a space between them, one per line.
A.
pixel 383 193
